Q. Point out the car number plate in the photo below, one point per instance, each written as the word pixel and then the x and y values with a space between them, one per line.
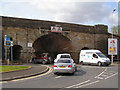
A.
pixel 62 66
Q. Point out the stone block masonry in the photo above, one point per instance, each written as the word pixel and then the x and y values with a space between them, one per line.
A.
pixel 73 38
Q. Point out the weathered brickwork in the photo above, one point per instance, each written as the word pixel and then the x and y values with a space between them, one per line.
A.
pixel 26 31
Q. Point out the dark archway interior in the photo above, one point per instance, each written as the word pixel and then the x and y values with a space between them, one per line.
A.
pixel 52 43
pixel 16 52
pixel 85 48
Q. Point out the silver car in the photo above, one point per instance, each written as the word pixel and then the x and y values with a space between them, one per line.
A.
pixel 65 65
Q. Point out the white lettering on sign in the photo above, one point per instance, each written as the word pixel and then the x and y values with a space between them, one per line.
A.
pixel 56 29
pixel 29 44
pixel 112 46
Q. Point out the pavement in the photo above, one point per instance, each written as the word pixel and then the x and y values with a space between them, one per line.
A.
pixel 33 71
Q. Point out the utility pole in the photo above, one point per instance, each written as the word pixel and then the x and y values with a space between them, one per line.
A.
pixel 112 33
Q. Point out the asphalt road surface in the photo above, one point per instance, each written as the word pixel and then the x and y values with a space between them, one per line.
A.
pixel 85 77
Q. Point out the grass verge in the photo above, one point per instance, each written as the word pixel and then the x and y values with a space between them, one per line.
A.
pixel 12 68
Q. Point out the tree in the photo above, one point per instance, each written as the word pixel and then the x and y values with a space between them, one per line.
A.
pixel 116 30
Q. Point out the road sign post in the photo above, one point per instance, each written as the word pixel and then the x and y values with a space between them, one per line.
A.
pixel 5 52
pixel 112 57
pixel 8 41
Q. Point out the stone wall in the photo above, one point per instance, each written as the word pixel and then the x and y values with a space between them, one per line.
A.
pixel 26 31
pixel 36 24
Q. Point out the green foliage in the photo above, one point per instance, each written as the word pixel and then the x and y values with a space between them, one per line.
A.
pixel 116 30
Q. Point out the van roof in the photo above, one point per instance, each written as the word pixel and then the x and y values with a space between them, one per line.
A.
pixel 90 50
pixel 64 54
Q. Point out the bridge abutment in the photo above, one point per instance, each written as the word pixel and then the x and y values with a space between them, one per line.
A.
pixel 26 31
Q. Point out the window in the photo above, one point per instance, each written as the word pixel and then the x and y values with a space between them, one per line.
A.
pixel 64 61
pixel 101 55
pixel 95 56
pixel 65 56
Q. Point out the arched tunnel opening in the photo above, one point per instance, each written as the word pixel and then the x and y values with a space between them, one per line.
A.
pixel 53 44
pixel 85 48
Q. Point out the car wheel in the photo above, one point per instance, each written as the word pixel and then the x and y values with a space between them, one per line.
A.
pixel 50 62
pixel 107 65
pixel 34 62
pixel 99 64
pixel 73 73
pixel 55 73
pixel 75 69
pixel 81 62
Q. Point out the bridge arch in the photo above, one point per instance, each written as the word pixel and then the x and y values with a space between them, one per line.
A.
pixel 85 48
pixel 52 43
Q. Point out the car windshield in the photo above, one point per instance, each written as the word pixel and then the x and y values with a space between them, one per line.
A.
pixel 65 56
pixel 101 55
pixel 63 61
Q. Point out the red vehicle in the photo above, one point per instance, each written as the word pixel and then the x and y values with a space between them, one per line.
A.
pixel 43 58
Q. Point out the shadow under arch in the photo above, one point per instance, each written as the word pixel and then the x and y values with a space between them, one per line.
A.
pixel 85 48
pixel 52 43
pixel 16 52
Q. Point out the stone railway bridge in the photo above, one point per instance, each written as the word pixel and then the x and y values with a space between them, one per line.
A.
pixel 38 32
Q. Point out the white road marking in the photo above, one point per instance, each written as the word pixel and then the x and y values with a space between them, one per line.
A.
pixel 99 78
pixel 112 71
pixel 88 84
pixel 58 77
pixel 78 84
pixel 111 76
pixel 103 75
pixel 106 74
pixel 100 73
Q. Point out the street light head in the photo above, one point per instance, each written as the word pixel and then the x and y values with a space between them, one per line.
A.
pixel 114 9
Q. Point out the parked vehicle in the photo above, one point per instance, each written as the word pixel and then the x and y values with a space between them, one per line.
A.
pixel 43 58
pixel 65 65
pixel 65 55
pixel 93 57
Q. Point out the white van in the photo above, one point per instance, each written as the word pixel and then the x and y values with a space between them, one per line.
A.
pixel 93 57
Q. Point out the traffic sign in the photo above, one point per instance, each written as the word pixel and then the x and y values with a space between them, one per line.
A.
pixel 29 44
pixel 59 29
pixel 53 29
pixel 8 40
pixel 112 46
pixel 56 29
pixel 112 49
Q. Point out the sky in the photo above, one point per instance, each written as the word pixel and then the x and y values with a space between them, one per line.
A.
pixel 83 12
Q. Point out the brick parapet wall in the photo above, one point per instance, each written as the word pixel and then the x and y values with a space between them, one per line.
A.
pixel 36 24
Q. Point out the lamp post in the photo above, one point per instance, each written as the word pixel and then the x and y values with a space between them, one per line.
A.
pixel 112 33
